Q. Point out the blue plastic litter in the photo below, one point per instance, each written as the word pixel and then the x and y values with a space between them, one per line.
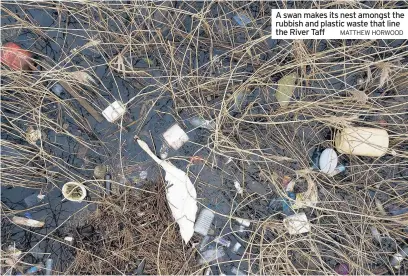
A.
pixel 241 19
pixel 28 215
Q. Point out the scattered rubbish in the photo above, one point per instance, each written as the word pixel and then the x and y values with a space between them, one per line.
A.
pixel 181 194
pixel 236 247
pixel 175 137
pixel 204 243
pixel 286 204
pixel 315 158
pixel 308 198
pixel 196 159
pixel 164 151
pixel 204 221
pixel 208 271
pixel 236 271
pixel 380 207
pixel 69 239
pixel 243 222
pixel 398 257
pixel 297 224
pixel 15 57
pixel 74 191
pixel 286 86
pixel 328 161
pixel 342 269
pixel 100 171
pixel 57 89
pixel 48 266
pixel 362 141
pixel 241 229
pixel 241 19
pixel 27 222
pixel 108 183
pixel 33 135
pixel 202 123
pixel 376 234
pixel 397 212
pixel 140 268
pixel 339 169
pixel 114 111
pixel 34 269
pixel 28 215
pixel 33 200
pixel 223 241
pixel 240 191
pixel 143 175
pixel 212 255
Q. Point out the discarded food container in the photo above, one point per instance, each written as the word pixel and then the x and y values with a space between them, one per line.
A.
pixel 362 141
pixel 27 222
pixel 33 135
pixel 342 269
pixel 328 161
pixel 243 222
pixel 236 247
pixel 175 137
pixel 203 222
pixel 398 257
pixel 15 57
pixel 223 241
pixel 212 254
pixel 339 169
pixel 74 191
pixel 100 171
pixel 297 224
pixel 48 267
pixel 114 111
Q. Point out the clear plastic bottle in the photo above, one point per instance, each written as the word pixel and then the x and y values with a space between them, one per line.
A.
pixel 203 222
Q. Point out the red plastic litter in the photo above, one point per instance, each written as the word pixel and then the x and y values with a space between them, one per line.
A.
pixel 15 57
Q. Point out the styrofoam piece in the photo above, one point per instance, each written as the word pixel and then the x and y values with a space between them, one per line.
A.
pixel 297 224
pixel 175 137
pixel 74 191
pixel 114 111
pixel 203 222
pixel 243 222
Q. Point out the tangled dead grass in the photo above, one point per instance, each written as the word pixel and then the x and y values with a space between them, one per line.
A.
pixel 195 54
pixel 127 229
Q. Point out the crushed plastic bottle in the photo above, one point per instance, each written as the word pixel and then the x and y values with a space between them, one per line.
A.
pixel 202 123
pixel 212 254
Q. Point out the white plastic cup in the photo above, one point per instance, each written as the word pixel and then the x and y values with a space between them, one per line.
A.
pixel 203 222
pixel 79 191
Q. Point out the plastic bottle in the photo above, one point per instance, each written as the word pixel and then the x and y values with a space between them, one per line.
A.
pixel 204 221
pixel 362 141
pixel 222 241
pixel 48 267
pixel 212 254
